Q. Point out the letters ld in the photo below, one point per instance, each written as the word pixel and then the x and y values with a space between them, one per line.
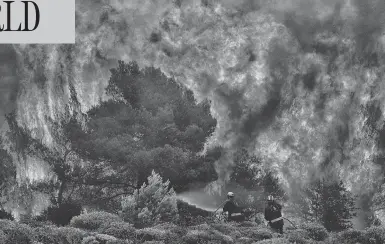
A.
pixel 8 5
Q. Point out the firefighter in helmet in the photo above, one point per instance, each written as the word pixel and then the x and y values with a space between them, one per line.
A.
pixel 233 213
pixel 273 214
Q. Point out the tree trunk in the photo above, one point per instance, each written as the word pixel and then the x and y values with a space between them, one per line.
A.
pixel 63 180
pixel 137 193
pixel 61 192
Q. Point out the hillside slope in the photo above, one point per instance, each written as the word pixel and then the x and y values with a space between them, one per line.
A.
pixel 112 230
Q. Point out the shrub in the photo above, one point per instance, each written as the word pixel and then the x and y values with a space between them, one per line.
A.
pixel 61 215
pixel 5 215
pixel 274 241
pixel 375 235
pixel 154 234
pixel 3 237
pixel 315 231
pixel 47 235
pixel 298 236
pixel 202 227
pixel 90 240
pixel 119 242
pixel 94 220
pixel 190 215
pixel 190 220
pixel 229 229
pixel 34 221
pixel 62 235
pixel 151 204
pixel 349 236
pixel 103 238
pixel 205 233
pixel 247 224
pixel 259 219
pixel 119 230
pixel 71 235
pixel 175 229
pixel 184 207
pixel 245 240
pixel 256 234
pixel 17 233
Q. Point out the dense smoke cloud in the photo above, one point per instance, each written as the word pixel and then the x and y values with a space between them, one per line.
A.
pixel 295 82
pixel 8 82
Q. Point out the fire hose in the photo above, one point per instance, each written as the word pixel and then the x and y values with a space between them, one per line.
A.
pixel 290 222
pixel 287 220
pixel 213 214
pixel 220 206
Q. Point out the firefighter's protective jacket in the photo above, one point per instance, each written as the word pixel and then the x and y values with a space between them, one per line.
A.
pixel 273 211
pixel 230 207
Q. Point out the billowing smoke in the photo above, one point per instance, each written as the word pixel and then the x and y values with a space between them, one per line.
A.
pixel 9 82
pixel 297 83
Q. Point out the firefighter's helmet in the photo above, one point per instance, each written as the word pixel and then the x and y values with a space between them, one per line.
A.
pixel 230 194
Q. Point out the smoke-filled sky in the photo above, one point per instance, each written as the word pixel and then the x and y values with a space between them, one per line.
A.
pixel 296 82
pixel 9 82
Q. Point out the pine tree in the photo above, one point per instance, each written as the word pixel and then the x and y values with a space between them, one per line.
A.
pixel 271 185
pixel 331 204
pixel 153 203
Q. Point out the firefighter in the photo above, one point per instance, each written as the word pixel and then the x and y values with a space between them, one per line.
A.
pixel 233 213
pixel 273 214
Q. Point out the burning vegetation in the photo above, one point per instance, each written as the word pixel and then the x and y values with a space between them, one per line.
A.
pixel 280 97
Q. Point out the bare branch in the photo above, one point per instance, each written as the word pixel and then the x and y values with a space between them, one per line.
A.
pixel 96 182
pixel 112 197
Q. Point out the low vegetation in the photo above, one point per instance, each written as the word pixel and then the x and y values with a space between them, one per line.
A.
pixel 208 233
